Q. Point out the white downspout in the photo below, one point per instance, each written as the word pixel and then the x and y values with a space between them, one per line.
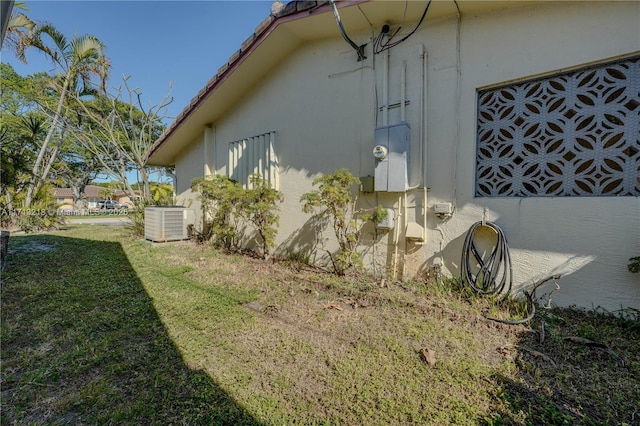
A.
pixel 403 90
pixel 396 239
pixel 209 166
pixel 424 137
pixel 423 118
pixel 385 88
pixel 406 225
pixel 422 54
pixel 424 214
pixel 209 150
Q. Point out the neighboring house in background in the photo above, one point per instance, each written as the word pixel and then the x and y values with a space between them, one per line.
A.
pixel 64 198
pixel 92 194
pixel 523 113
pixel 123 198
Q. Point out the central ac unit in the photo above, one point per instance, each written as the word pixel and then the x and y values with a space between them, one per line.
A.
pixel 162 224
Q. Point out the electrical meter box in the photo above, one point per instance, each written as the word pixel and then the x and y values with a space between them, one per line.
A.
pixel 392 158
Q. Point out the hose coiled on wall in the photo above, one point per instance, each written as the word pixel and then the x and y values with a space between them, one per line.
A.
pixel 493 273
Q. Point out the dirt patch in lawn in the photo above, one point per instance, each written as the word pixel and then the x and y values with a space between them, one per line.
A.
pixel 30 247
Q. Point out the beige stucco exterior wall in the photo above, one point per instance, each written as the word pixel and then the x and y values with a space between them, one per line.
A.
pixel 586 239
pixel 67 204
pixel 325 107
pixel 190 165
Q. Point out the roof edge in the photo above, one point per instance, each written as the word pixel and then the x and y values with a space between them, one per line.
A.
pixel 293 10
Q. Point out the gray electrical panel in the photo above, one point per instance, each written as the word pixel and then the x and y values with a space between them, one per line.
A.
pixel 392 158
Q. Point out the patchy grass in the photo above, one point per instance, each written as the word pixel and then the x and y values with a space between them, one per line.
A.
pixel 101 329
pixel 83 343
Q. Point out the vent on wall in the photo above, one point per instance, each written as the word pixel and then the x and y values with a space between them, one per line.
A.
pixel 162 224
pixel 573 134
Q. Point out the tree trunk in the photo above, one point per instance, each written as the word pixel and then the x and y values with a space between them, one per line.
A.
pixel 130 189
pixel 8 201
pixel 79 198
pixel 146 189
pixel 35 180
pixel 4 248
pixel 47 168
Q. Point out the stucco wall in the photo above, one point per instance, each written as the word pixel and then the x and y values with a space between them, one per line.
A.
pixel 323 121
pixel 325 107
pixel 586 239
pixel 190 165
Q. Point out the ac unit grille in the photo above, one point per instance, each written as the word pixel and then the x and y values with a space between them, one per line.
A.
pixel 163 224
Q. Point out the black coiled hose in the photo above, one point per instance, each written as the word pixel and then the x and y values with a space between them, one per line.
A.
pixel 488 275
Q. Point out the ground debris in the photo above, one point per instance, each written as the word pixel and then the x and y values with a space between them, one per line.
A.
pixel 428 356
pixel 585 341
pixel 351 302
pixel 507 348
pixel 589 342
pixel 271 309
pixel 333 306
pixel 542 332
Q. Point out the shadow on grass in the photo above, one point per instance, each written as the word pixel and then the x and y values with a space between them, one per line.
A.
pixel 584 371
pixel 83 344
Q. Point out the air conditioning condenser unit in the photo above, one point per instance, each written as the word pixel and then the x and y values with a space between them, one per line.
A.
pixel 162 224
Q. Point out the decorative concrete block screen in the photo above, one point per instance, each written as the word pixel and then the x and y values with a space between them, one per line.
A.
pixel 254 155
pixel 572 134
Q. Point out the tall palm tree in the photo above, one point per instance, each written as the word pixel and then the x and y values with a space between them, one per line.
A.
pixel 79 62
pixel 16 28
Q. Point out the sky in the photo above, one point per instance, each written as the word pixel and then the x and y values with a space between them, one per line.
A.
pixel 164 46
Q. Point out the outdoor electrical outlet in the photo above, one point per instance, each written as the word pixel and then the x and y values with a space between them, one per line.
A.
pixel 443 208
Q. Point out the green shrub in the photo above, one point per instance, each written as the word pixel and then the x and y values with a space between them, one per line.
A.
pixel 136 214
pixel 220 197
pixel 258 207
pixel 39 219
pixel 161 194
pixel 333 200
pixel 41 216
pixel 8 216
pixel 230 207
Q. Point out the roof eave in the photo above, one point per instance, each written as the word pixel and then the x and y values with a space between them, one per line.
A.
pixel 160 155
pixel 273 32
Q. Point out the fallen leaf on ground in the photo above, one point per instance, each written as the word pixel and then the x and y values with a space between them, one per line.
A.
pixel 428 356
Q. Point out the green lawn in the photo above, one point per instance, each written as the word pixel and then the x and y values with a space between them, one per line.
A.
pixel 98 328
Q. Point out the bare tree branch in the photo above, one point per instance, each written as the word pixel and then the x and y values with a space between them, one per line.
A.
pixel 120 131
